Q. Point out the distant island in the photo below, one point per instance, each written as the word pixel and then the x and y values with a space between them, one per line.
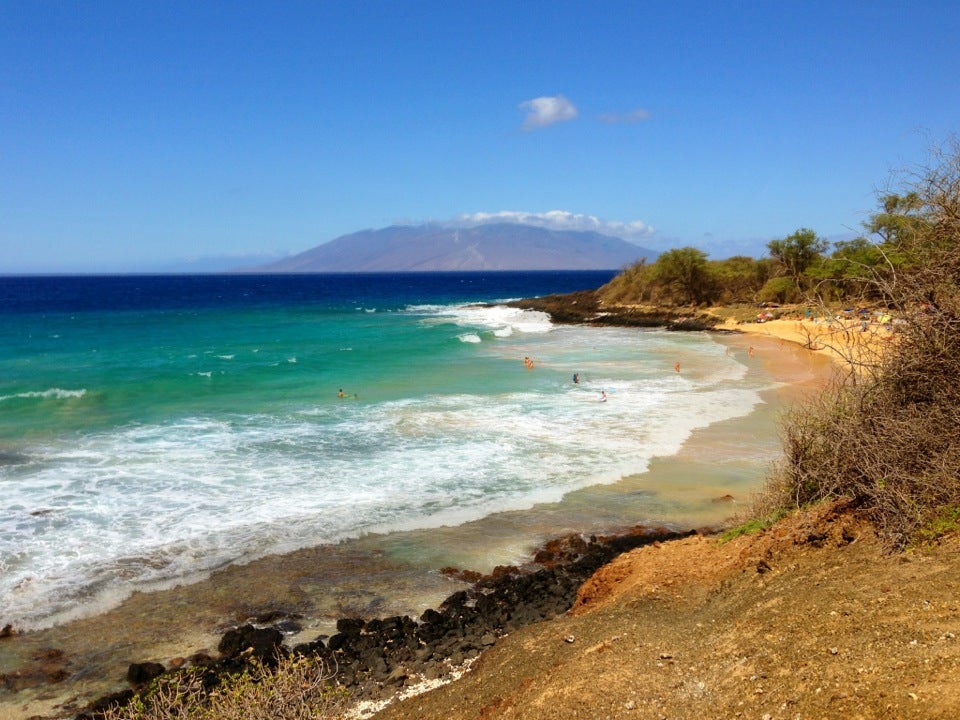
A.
pixel 432 247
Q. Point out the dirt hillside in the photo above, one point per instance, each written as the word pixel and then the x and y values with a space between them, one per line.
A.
pixel 808 619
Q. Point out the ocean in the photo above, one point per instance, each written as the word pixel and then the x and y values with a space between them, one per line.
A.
pixel 156 430
pixel 159 427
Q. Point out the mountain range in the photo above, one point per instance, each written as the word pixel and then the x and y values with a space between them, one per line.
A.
pixel 500 246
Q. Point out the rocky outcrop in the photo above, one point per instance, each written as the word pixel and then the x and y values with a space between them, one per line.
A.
pixel 585 308
pixel 373 658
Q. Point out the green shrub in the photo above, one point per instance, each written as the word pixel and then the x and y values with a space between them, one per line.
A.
pixel 298 689
pixel 780 290
pixel 751 527
pixel 946 520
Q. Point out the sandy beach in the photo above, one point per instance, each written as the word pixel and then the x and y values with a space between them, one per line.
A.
pixel 845 340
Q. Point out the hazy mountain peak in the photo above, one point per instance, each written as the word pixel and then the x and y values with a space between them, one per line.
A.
pixel 492 246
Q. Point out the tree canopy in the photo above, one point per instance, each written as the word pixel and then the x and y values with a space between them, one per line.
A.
pixel 905 233
pixel 798 251
pixel 687 272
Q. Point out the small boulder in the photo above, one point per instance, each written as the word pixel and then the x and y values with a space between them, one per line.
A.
pixel 263 643
pixel 142 673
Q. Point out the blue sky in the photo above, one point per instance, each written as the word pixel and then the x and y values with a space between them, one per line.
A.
pixel 147 135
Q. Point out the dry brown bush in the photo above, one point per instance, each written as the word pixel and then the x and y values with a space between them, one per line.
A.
pixel 887 432
pixel 297 689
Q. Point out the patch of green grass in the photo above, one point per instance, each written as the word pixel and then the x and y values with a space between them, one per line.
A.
pixel 765 515
pixel 750 527
pixel 946 520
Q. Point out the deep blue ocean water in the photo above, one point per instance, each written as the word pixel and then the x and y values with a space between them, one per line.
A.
pixel 155 428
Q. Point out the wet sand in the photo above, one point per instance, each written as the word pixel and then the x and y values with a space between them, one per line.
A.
pixel 398 573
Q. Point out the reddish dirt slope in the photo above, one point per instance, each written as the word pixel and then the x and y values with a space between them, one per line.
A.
pixel 809 619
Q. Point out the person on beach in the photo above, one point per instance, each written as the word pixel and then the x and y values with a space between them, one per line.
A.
pixel 603 396
pixel 677 366
pixel 528 362
pixel 576 378
pixel 340 393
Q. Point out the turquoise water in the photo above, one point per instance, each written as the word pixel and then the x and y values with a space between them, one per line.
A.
pixel 155 430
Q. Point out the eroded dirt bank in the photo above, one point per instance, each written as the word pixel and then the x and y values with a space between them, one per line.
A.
pixel 810 619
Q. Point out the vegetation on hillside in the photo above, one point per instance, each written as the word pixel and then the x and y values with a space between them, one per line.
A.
pixel 901 239
pixel 886 435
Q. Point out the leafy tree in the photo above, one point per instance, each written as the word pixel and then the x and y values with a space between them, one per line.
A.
pixel 859 251
pixel 797 252
pixel 740 278
pixel 849 270
pixel 899 220
pixel 687 273
pixel 632 285
pixel 780 290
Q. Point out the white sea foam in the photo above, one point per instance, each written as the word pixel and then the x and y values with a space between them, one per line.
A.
pixel 50 394
pixel 502 320
pixel 469 338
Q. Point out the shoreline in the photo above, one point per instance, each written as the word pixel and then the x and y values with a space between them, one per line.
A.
pixel 846 338
pixel 140 631
pixel 804 619
pixel 845 342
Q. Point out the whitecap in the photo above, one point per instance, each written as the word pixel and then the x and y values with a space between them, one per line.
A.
pixel 291 359
pixel 469 338
pixel 226 357
pixel 503 320
pixel 52 393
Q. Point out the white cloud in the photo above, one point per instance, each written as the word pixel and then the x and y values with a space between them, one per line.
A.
pixel 559 220
pixel 627 118
pixel 544 111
